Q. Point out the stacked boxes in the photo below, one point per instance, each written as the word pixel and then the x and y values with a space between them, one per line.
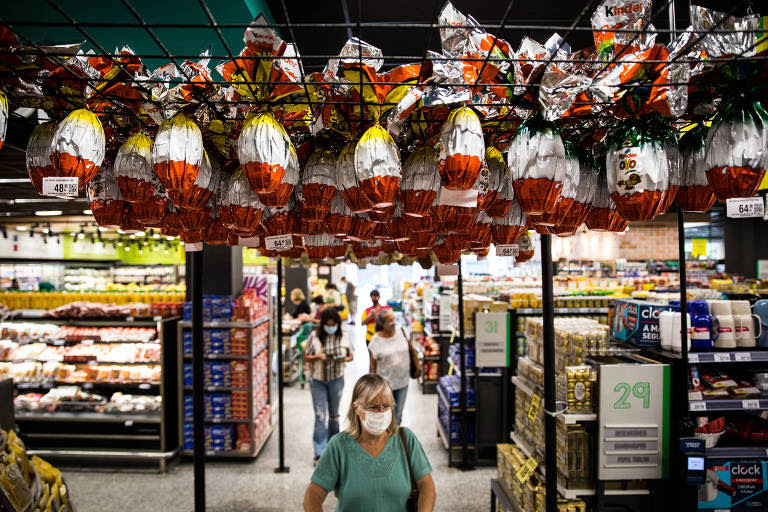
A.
pixel 216 308
pixel 238 340
pixel 215 341
pixel 451 423
pixel 576 388
pixel 218 438
pixel 260 337
pixel 475 304
pixel 215 373
pixel 239 374
pixel 574 457
pixel 216 405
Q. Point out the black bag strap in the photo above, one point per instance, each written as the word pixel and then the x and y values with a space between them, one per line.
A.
pixel 408 459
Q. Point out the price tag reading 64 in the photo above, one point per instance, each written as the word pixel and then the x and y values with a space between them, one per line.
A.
pixel 278 243
pixel 507 250
pixel 743 207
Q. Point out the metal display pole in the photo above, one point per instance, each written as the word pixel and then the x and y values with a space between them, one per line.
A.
pixel 550 422
pixel 282 468
pixel 463 368
pixel 198 380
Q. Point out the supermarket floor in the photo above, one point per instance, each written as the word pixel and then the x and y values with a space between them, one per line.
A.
pixel 254 487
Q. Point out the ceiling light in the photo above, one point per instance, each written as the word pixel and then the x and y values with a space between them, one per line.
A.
pixel 156 236
pixel 14 180
pixel 46 230
pixel 120 231
pixel 102 229
pixel 127 248
pixel 21 228
pixel 87 212
pixel 80 236
pixel 166 251
pixel 120 243
pixel 132 237
pixel 140 233
pixel 48 213
pixel 169 238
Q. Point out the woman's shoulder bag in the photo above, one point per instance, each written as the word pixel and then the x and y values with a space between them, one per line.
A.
pixel 413 498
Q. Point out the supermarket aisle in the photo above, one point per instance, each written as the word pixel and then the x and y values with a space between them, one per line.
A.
pixel 254 487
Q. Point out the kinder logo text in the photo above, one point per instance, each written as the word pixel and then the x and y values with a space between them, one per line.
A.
pixel 623 10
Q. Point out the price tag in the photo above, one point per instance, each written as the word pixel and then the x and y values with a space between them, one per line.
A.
pixel 64 186
pixel 693 358
pixel 697 406
pixel 744 207
pixel 129 319
pixel 450 369
pixel 508 250
pixel 750 404
pixel 526 470
pixel 743 356
pixel 157 318
pixel 278 243
pixel 87 342
pixel 453 336
pixel 58 342
pixel 87 385
pixel 533 410
pixel 128 423
pixel 144 386
pixel 695 395
pixel 193 247
pixel 723 358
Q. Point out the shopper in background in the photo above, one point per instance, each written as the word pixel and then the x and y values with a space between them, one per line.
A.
pixel 328 348
pixel 369 316
pixel 301 309
pixel 391 358
pixel 351 293
pixel 333 296
pixel 373 465
pixel 318 306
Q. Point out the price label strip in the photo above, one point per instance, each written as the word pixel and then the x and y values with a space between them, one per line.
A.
pixel 63 186
pixel 750 404
pixel 698 406
pixel 533 410
pixel 278 243
pixel 526 470
pixel 508 250
pixel 743 356
pixel 693 358
pixel 723 358
pixel 745 207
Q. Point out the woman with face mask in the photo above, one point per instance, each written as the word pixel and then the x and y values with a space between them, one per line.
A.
pixel 327 350
pixel 391 358
pixel 373 465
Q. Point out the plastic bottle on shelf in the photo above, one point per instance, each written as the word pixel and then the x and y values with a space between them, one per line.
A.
pixel 701 325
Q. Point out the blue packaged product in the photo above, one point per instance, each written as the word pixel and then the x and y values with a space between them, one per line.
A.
pixel 188 311
pixel 701 325
pixel 186 341
pixel 188 374
pixel 221 308
pixel 188 406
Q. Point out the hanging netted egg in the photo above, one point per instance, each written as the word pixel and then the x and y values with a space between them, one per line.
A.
pixel 377 165
pixel 172 223
pixel 282 193
pixel 421 182
pixel 78 146
pixel 695 193
pixel 347 180
pixel 507 229
pixel 239 206
pixel 199 193
pixel 105 201
pixel 318 185
pixel 177 153
pixel 152 211
pixel 133 167
pixel 40 154
pixel 263 149
pixel 604 216
pixel 340 218
pixel 463 148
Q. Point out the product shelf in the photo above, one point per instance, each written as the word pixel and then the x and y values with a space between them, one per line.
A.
pixel 446 402
pixel 447 440
pixel 217 389
pixel 214 325
pixel 562 311
pixel 737 452
pixel 220 357
pixel 500 493
pixel 729 356
pixel 88 417
pixel 704 406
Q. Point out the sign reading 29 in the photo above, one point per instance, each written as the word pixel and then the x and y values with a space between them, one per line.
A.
pixel 641 391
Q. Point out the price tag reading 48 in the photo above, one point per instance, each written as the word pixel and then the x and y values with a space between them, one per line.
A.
pixel 65 186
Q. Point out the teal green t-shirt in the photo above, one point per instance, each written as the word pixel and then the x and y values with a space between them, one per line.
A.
pixel 361 482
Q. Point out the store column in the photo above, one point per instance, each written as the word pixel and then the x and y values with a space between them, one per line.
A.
pixel 222 270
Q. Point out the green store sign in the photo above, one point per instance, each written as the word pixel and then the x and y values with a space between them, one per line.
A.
pixel 132 254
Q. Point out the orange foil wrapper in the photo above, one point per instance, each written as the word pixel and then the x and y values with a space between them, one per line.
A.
pixel 537 195
pixel 733 181
pixel 191 236
pixel 241 218
pixel 178 152
pixel 151 213
pixel 696 198
pixel 463 149
pixel 455 219
pixel 195 220
pixel 361 229
pixel 172 225
pixel 108 213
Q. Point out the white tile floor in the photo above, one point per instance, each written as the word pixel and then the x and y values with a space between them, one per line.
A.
pixel 254 487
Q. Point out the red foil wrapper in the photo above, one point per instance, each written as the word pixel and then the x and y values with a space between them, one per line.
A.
pixel 445 255
pixel 420 224
pixel 131 223
pixel 233 239
pixel 382 215
pixel 191 236
pixel 381 191
pixel 317 201
pixel 152 213
pixel 695 198
pixel 421 182
pixel 195 220
pixel 457 242
pixel 108 213
pixel 135 190
pixel 280 223
pixel 347 180
pixel 241 218
pixel 377 166
pixel 317 253
pixel 172 225
pixel 734 181
pixel 196 195
pixel 215 233
pixel 361 229
pixel 455 219
pixel 537 195
pixel 279 197
pixel 381 231
pixel 606 219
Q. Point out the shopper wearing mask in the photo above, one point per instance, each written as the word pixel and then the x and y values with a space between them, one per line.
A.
pixel 391 358
pixel 328 348
pixel 373 465
pixel 369 316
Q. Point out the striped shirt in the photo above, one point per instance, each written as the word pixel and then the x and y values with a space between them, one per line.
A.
pixel 336 348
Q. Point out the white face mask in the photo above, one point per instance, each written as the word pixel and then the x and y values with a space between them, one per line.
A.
pixel 377 422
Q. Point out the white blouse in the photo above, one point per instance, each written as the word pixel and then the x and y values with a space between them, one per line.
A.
pixel 393 359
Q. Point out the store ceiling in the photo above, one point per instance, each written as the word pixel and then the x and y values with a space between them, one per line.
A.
pixel 395 41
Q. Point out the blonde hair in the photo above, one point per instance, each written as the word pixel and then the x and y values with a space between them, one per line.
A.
pixel 366 389
pixel 297 295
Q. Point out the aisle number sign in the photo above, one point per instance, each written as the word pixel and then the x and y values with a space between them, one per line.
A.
pixel 492 339
pixel 526 470
pixel 634 421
